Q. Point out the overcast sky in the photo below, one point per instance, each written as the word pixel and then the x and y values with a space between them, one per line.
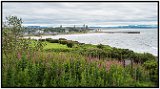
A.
pixel 93 14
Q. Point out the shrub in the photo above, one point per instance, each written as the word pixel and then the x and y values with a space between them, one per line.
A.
pixel 76 42
pixel 70 45
pixel 148 56
pixel 152 66
pixel 42 40
pixel 54 41
pixel 100 46
pixel 48 39
pixel 63 42
pixel 81 43
pixel 62 39
pixel 139 57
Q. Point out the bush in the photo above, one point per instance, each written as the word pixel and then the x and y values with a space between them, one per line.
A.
pixel 81 43
pixel 116 53
pixel 62 39
pixel 48 39
pixel 70 45
pixel 100 46
pixel 148 56
pixel 54 41
pixel 42 40
pixel 142 57
pixel 76 42
pixel 152 66
pixel 63 42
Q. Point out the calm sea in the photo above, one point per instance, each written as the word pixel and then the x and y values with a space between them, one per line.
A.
pixel 146 41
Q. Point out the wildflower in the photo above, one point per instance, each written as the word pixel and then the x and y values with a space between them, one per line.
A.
pixel 19 55
pixel 99 65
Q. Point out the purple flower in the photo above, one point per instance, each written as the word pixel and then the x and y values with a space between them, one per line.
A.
pixel 19 55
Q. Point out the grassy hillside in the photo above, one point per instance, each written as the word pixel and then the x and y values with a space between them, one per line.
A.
pixel 66 63
pixel 82 65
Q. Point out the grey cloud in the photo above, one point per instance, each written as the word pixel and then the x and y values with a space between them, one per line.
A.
pixel 80 13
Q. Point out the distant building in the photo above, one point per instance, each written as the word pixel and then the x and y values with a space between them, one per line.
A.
pixel 38 32
pixel 66 30
pixel 25 34
pixel 33 27
pixel 50 33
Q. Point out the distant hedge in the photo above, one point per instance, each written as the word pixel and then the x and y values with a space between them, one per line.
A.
pixel 60 41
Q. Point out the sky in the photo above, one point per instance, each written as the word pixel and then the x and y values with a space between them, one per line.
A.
pixel 79 13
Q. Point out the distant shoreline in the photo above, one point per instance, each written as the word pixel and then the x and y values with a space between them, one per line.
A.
pixel 50 36
pixel 129 32
pixel 126 32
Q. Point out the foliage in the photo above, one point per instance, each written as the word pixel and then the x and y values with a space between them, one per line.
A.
pixel 62 39
pixel 67 70
pixel 70 45
pixel 100 46
pixel 26 64
pixel 14 23
pixel 11 36
pixel 142 57
pixel 42 40
pixel 152 66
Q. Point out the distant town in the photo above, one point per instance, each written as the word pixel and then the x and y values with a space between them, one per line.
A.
pixel 39 30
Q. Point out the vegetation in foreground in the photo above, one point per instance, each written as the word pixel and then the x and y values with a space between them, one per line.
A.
pixel 66 63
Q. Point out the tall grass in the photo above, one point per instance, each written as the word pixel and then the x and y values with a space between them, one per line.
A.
pixel 67 70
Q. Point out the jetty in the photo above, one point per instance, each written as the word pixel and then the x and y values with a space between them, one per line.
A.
pixel 128 32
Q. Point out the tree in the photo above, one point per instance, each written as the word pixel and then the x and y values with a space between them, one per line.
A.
pixel 11 32
pixel 15 25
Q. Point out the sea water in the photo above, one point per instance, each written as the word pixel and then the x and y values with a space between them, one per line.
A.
pixel 146 41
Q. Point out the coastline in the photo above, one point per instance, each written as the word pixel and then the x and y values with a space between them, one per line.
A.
pixel 59 34
pixel 50 36
pixel 125 32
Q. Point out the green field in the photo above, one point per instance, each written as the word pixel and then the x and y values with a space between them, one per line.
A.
pixel 55 46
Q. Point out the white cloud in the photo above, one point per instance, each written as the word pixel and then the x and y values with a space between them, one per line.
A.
pixel 83 13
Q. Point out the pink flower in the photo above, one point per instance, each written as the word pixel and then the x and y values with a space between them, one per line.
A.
pixel 19 55
pixel 99 65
